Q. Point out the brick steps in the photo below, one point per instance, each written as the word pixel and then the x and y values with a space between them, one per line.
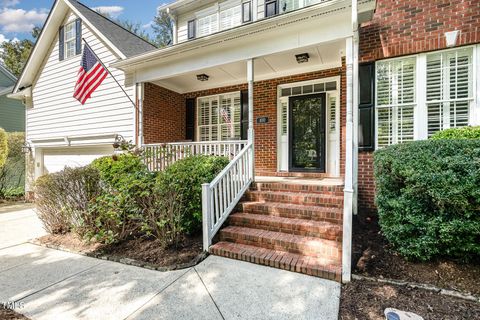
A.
pixel 319 267
pixel 292 224
pixel 302 227
pixel 307 246
pixel 296 198
pixel 287 210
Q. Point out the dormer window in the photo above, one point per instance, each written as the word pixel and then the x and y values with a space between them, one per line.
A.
pixel 70 40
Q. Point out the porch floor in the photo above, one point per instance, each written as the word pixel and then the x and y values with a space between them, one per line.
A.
pixel 301 180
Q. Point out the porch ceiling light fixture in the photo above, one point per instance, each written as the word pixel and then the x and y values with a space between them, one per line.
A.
pixel 202 77
pixel 302 58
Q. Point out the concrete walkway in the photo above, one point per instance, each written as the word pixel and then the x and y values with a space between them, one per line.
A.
pixel 52 284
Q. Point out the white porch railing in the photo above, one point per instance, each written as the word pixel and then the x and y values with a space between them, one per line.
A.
pixel 160 156
pixel 221 196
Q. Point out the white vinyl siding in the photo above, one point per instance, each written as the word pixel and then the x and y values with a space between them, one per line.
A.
pixel 219 117
pixel 449 89
pixel 395 101
pixel 56 113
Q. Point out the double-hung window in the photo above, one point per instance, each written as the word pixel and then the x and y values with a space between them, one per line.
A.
pixel 449 89
pixel 219 117
pixel 70 39
pixel 396 101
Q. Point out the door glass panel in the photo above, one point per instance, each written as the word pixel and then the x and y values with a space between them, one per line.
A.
pixel 307 133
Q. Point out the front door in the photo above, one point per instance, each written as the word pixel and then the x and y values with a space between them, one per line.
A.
pixel 307 133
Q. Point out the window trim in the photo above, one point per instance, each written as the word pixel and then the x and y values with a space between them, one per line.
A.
pixel 198 113
pixel 72 39
pixel 250 16
pixel 421 103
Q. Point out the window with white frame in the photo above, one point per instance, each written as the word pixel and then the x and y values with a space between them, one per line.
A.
pixel 207 25
pixel 396 101
pixel 219 117
pixel 230 14
pixel 449 89
pixel 70 39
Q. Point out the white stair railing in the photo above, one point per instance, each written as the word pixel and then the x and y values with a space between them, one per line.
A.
pixel 158 157
pixel 220 197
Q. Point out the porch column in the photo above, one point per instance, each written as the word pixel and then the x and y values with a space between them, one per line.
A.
pixel 351 144
pixel 251 131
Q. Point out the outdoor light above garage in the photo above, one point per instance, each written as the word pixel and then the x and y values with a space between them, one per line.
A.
pixel 302 58
pixel 202 77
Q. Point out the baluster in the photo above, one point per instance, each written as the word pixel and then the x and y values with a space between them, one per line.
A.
pixel 229 187
pixel 217 203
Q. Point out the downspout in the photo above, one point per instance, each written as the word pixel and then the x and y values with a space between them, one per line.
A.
pixel 140 93
pixel 350 145
pixel 356 102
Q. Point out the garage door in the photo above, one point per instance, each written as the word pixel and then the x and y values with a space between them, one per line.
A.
pixel 57 159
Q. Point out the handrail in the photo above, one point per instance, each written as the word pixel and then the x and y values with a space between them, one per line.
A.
pixel 159 156
pixel 220 197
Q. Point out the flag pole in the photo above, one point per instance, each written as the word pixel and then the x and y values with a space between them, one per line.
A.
pixel 104 66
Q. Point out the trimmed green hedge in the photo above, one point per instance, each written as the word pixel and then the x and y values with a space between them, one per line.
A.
pixel 3 147
pixel 428 198
pixel 458 133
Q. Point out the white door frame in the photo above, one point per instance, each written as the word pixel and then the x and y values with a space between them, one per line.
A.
pixel 282 137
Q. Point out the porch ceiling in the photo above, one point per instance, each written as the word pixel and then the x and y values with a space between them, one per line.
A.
pixel 324 56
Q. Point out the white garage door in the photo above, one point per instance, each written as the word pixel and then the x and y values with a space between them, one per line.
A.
pixel 57 159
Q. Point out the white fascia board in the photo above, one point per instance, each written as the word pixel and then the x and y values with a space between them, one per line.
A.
pixel 322 11
pixel 97 32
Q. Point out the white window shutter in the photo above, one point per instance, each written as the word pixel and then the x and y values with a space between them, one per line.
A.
pixel 230 17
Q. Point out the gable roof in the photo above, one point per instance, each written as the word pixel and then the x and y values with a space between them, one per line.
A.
pixel 127 42
pixel 121 41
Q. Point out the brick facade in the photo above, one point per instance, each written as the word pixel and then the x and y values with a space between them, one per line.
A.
pixel 163 115
pixel 414 26
pixel 409 27
pixel 161 105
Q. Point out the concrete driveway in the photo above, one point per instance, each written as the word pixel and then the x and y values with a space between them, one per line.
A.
pixel 51 284
pixel 18 224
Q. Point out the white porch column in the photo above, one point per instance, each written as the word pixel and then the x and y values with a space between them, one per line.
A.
pixel 139 92
pixel 251 131
pixel 351 150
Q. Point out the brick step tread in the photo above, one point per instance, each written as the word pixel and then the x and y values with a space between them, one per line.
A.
pixel 305 245
pixel 295 187
pixel 320 229
pixel 295 197
pixel 290 210
pixel 319 267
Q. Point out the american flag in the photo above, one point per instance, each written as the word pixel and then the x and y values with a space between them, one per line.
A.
pixel 227 120
pixel 90 76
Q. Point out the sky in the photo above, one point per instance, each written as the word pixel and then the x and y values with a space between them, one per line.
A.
pixel 18 17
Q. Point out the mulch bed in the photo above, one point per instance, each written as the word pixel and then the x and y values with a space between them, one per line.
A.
pixel 7 314
pixel 368 300
pixel 145 251
pixel 374 257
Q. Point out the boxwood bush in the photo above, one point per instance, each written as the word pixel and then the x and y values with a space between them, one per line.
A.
pixel 458 133
pixel 428 198
pixel 184 178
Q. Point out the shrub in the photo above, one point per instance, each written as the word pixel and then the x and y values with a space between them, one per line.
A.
pixel 126 184
pixel 458 133
pixel 62 199
pixel 428 198
pixel 185 178
pixel 3 147
pixel 12 174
